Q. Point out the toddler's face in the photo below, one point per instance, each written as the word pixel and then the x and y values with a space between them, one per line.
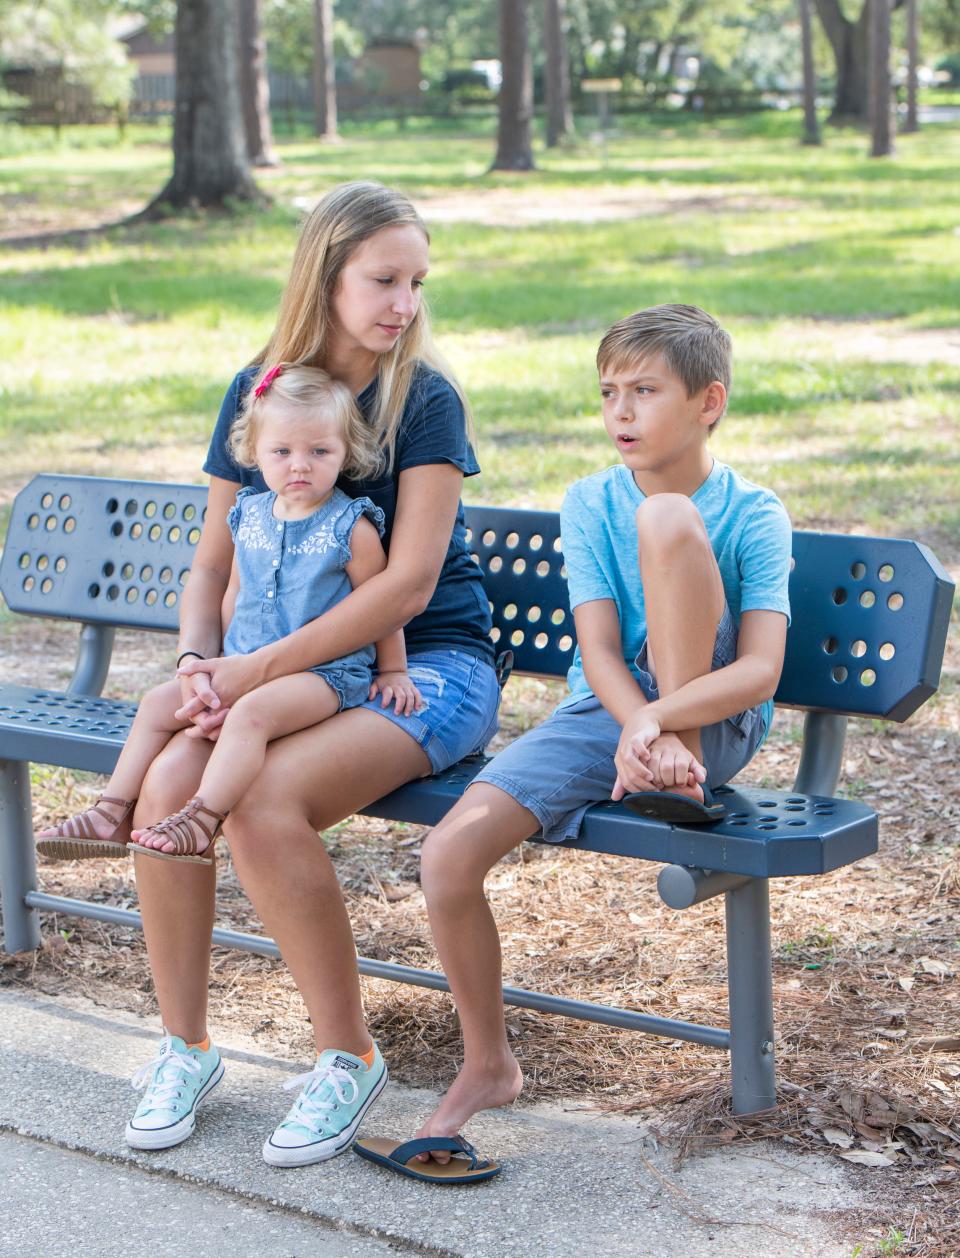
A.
pixel 300 456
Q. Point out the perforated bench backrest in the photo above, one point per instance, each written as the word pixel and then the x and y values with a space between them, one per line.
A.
pixel 870 615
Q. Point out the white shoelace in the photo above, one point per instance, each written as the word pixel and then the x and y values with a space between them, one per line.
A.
pixel 171 1066
pixel 309 1110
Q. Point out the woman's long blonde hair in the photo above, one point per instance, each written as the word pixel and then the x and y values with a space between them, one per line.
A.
pixel 347 216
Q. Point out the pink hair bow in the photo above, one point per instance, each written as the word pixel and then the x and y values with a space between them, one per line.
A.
pixel 268 380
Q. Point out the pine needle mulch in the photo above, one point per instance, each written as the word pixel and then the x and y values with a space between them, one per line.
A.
pixel 866 959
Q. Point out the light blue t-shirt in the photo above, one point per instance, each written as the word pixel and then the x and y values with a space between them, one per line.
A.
pixel 748 528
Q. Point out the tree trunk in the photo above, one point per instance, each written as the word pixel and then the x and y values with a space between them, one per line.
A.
pixel 515 110
pixel 849 41
pixel 881 114
pixel 811 128
pixel 559 113
pixel 324 79
pixel 913 56
pixel 254 86
pixel 209 153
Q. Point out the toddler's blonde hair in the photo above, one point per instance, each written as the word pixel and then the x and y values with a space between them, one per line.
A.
pixel 315 392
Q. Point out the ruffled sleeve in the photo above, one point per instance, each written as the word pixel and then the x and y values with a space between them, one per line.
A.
pixel 235 514
pixel 346 522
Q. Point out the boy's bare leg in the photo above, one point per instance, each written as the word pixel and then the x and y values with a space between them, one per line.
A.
pixel 271 711
pixel 480 829
pixel 153 727
pixel 683 596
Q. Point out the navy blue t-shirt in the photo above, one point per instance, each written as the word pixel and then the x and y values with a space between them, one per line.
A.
pixel 433 430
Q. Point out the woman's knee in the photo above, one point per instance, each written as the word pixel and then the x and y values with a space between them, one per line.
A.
pixel 172 778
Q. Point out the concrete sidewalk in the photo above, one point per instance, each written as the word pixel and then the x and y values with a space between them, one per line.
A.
pixel 574 1183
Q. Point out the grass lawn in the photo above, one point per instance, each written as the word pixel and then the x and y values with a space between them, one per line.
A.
pixel 837 275
pixel 839 278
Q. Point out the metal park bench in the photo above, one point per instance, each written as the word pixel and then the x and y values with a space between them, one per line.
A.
pixel 869 627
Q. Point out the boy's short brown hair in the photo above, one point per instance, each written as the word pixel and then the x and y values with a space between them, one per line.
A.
pixel 691 342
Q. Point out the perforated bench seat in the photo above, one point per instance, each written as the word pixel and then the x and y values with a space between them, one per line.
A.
pixel 766 834
pixel 870 619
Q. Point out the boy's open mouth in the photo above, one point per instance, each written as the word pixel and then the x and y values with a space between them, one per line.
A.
pixel 624 440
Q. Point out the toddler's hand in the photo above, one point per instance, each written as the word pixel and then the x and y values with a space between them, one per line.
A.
pixel 398 689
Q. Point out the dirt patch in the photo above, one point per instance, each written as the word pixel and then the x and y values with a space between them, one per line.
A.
pixel 522 207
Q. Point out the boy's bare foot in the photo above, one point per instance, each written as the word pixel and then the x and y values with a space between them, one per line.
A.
pixel 472 1091
pixel 103 829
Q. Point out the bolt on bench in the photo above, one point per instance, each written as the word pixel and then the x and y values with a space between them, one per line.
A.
pixel 869 627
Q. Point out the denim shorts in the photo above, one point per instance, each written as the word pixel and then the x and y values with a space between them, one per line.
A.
pixel 461 696
pixel 559 769
pixel 350 682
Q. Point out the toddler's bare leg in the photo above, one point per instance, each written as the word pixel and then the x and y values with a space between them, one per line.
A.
pixel 271 711
pixel 457 855
pixel 682 592
pixel 153 727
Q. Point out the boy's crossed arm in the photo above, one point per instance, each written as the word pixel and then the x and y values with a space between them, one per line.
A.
pixel 668 761
pixel 650 752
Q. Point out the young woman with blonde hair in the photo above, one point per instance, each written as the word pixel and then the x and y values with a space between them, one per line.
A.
pixel 353 306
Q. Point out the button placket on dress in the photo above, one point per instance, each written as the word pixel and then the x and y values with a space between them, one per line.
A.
pixel 271 590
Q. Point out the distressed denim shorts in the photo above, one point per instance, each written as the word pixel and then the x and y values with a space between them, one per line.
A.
pixel 559 769
pixel 461 697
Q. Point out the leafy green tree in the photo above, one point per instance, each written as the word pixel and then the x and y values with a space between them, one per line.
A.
pixel 69 39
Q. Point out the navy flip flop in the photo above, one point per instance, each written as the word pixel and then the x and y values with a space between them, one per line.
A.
pixel 677 810
pixel 396 1156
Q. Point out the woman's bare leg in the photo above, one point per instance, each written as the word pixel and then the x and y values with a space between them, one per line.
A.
pixel 683 596
pixel 272 711
pixel 310 781
pixel 153 727
pixel 457 855
pixel 176 900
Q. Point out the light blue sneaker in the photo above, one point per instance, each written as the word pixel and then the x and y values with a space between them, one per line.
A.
pixel 176 1081
pixel 326 1116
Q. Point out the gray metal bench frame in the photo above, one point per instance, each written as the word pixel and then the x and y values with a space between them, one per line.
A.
pixel 869 626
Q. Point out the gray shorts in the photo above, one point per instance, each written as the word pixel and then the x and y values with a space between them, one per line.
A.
pixel 566 764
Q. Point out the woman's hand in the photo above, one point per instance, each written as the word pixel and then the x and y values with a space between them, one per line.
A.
pixel 200 705
pixel 228 679
pixel 397 688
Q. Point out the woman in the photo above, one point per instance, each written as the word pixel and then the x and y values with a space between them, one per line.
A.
pixel 353 305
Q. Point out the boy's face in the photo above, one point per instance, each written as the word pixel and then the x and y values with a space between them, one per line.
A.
pixel 655 426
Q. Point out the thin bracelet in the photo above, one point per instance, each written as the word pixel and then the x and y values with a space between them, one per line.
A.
pixel 183 655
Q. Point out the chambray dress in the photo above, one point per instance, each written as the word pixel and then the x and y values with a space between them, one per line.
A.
pixel 291 572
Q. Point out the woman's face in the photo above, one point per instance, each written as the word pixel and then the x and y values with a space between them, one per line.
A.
pixel 378 293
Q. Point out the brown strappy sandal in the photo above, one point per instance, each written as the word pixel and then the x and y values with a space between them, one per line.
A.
pixel 75 839
pixel 182 829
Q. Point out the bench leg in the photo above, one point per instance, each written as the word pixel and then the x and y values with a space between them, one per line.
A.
pixel 18 858
pixel 750 987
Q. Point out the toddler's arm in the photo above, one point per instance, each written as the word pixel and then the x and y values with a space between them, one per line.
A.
pixel 230 597
pixel 392 681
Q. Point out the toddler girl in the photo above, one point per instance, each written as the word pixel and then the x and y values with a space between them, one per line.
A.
pixel 299 549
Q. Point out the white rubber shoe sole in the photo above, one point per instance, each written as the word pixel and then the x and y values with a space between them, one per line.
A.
pixel 323 1150
pixel 175 1133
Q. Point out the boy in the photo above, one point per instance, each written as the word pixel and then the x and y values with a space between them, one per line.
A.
pixel 678 572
